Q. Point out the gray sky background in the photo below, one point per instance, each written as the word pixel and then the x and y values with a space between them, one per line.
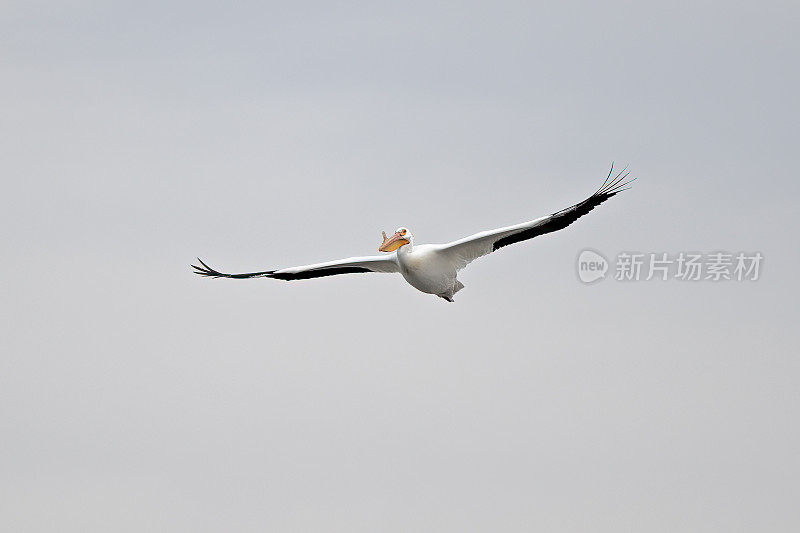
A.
pixel 135 396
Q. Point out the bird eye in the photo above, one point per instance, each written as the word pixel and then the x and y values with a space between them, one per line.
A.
pixel 402 232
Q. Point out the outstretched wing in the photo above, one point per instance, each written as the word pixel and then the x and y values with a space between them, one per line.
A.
pixel 463 251
pixel 351 265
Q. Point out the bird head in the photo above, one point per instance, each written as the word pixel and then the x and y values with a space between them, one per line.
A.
pixel 400 238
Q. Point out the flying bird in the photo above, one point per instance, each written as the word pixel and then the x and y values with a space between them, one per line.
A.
pixel 432 268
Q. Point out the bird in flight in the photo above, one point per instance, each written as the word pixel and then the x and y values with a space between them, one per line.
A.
pixel 432 268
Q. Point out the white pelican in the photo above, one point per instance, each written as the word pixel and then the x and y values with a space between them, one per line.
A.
pixel 432 268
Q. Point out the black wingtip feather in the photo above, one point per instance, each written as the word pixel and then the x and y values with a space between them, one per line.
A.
pixel 612 186
pixel 209 272
pixel 561 219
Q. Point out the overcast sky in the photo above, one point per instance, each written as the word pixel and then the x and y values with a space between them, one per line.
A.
pixel 135 396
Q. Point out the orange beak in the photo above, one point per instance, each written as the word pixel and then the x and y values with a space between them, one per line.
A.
pixel 393 243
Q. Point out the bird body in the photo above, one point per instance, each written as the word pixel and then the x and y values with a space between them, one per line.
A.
pixel 433 268
pixel 428 270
